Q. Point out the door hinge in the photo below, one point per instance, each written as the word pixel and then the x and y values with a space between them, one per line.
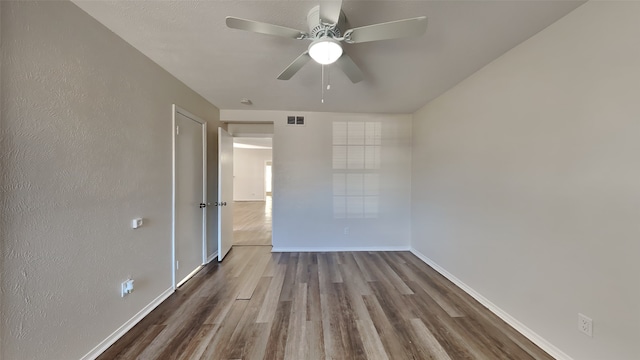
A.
pixel 177 130
pixel 177 265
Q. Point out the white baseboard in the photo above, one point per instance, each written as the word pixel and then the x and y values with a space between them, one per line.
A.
pixel 104 345
pixel 338 249
pixel 188 277
pixel 212 256
pixel 520 327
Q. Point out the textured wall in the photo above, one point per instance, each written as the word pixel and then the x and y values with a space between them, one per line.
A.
pixel 342 181
pixel 526 182
pixel 329 175
pixel 2 190
pixel 85 146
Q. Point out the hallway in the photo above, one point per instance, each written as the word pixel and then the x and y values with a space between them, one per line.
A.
pixel 252 222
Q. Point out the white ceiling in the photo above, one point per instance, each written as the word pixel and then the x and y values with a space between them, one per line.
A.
pixel 191 41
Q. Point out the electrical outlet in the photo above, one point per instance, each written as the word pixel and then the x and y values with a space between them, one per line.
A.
pixel 346 231
pixel 126 288
pixel 585 325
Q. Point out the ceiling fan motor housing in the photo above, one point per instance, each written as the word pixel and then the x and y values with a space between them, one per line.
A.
pixel 319 29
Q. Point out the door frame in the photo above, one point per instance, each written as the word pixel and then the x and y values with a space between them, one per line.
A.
pixel 267 163
pixel 221 173
pixel 178 110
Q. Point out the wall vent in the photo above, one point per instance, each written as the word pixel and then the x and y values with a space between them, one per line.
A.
pixel 295 120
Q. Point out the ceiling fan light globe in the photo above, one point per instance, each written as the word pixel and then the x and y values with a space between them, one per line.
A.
pixel 325 51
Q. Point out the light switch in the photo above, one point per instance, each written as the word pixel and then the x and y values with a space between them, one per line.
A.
pixel 136 223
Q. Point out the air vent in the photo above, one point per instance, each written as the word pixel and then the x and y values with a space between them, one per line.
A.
pixel 295 120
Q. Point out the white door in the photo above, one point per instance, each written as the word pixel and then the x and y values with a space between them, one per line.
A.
pixel 225 193
pixel 189 196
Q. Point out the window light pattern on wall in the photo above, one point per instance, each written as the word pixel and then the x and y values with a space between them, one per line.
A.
pixel 356 164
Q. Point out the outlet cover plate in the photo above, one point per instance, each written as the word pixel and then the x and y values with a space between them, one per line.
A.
pixel 585 325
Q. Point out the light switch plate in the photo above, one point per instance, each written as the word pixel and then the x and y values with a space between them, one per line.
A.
pixel 136 223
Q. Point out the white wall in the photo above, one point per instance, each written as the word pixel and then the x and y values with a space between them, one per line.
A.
pixel 85 147
pixel 248 173
pixel 310 183
pixel 526 181
pixel 250 130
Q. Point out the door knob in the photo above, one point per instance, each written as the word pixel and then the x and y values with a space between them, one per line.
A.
pixel 203 205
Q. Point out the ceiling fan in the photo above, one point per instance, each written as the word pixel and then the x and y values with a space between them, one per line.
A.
pixel 328 29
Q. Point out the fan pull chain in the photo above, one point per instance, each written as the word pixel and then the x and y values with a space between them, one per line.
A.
pixel 328 87
pixel 322 75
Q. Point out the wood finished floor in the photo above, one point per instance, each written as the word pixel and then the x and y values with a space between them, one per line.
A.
pixel 348 305
pixel 252 222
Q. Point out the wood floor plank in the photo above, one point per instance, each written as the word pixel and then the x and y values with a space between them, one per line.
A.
pixel 430 343
pixel 364 266
pixel 314 311
pixel 324 275
pixel 332 262
pixel 173 340
pixel 351 274
pixel 259 335
pixel 137 347
pixel 245 252
pixel 394 307
pixel 270 304
pixel 289 278
pixel 215 348
pixel 222 302
pixel 439 288
pixel 314 344
pixel 242 340
pixel 296 334
pixel 355 288
pixel 199 342
pixel 458 343
pixel 277 342
pixel 388 273
pixel 330 339
pixel 252 222
pixel 372 343
pixel 352 345
pixel 272 265
pixel 386 331
pixel 302 270
pixel 438 296
pixel 311 306
pixel 252 276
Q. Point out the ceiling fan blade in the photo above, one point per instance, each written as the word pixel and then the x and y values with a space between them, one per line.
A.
pixel 295 66
pixel 389 30
pixel 330 11
pixel 353 72
pixel 264 28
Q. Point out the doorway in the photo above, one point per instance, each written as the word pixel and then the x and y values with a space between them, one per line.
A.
pixel 189 194
pixel 252 191
pixel 268 177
